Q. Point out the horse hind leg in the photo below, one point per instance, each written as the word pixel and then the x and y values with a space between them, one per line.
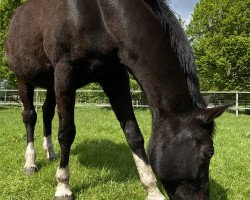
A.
pixel 26 93
pixel 116 86
pixel 48 114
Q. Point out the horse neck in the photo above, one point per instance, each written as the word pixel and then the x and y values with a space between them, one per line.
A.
pixel 164 83
pixel 157 69
pixel 145 48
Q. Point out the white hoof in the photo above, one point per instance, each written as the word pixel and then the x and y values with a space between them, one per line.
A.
pixel 63 191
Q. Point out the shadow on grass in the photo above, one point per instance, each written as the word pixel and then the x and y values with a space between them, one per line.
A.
pixel 43 161
pixel 217 192
pixel 101 154
pixel 115 158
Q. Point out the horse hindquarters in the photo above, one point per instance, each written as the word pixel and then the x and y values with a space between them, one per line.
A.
pixel 116 86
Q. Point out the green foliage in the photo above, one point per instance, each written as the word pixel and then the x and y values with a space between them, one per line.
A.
pixel 6 9
pixel 219 33
pixel 182 22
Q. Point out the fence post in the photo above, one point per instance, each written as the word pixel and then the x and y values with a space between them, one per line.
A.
pixel 5 96
pixel 36 100
pixel 237 104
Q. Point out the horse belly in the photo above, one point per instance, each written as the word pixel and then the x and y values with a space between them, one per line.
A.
pixel 43 78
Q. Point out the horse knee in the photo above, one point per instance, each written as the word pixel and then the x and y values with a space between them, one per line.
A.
pixel 29 117
pixel 48 112
pixel 136 142
pixel 133 135
pixel 67 134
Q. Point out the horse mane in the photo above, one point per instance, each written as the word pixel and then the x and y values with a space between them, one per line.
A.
pixel 180 45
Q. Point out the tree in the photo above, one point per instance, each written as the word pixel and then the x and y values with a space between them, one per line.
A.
pixel 6 9
pixel 219 34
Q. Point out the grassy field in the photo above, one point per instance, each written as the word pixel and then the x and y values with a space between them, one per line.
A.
pixel 101 163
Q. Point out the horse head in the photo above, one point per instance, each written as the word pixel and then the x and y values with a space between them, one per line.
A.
pixel 180 151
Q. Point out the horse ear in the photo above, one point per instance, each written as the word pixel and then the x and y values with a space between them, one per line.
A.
pixel 208 114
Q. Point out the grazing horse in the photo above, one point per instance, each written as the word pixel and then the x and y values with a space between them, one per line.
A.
pixel 62 45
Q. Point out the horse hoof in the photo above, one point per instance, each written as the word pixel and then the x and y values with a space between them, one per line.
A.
pixel 64 198
pixel 156 196
pixel 30 170
pixel 51 155
pixel 52 158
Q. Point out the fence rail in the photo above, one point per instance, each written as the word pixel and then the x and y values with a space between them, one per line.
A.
pixel 98 98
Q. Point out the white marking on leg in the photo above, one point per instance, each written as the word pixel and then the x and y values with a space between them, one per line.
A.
pixel 148 179
pixel 30 156
pixel 48 146
pixel 62 178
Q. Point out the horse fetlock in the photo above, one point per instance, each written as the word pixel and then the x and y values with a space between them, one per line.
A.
pixel 30 151
pixel 30 166
pixel 30 157
pixel 47 142
pixel 30 170
pixel 63 189
pixel 49 148
pixel 62 175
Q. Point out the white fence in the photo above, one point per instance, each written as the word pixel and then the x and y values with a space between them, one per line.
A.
pixel 98 98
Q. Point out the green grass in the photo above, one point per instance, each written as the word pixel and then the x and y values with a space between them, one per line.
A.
pixel 101 163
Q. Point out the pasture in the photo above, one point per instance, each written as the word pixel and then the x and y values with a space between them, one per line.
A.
pixel 101 162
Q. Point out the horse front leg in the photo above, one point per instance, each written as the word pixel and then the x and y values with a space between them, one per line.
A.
pixel 116 86
pixel 26 93
pixel 65 99
pixel 48 114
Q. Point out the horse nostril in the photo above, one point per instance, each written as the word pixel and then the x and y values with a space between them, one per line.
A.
pixel 210 152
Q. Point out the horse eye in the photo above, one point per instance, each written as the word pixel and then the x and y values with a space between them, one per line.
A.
pixel 203 156
pixel 207 153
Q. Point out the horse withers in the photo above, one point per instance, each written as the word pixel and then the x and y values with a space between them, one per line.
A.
pixel 63 45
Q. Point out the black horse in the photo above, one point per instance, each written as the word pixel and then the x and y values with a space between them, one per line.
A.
pixel 63 45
